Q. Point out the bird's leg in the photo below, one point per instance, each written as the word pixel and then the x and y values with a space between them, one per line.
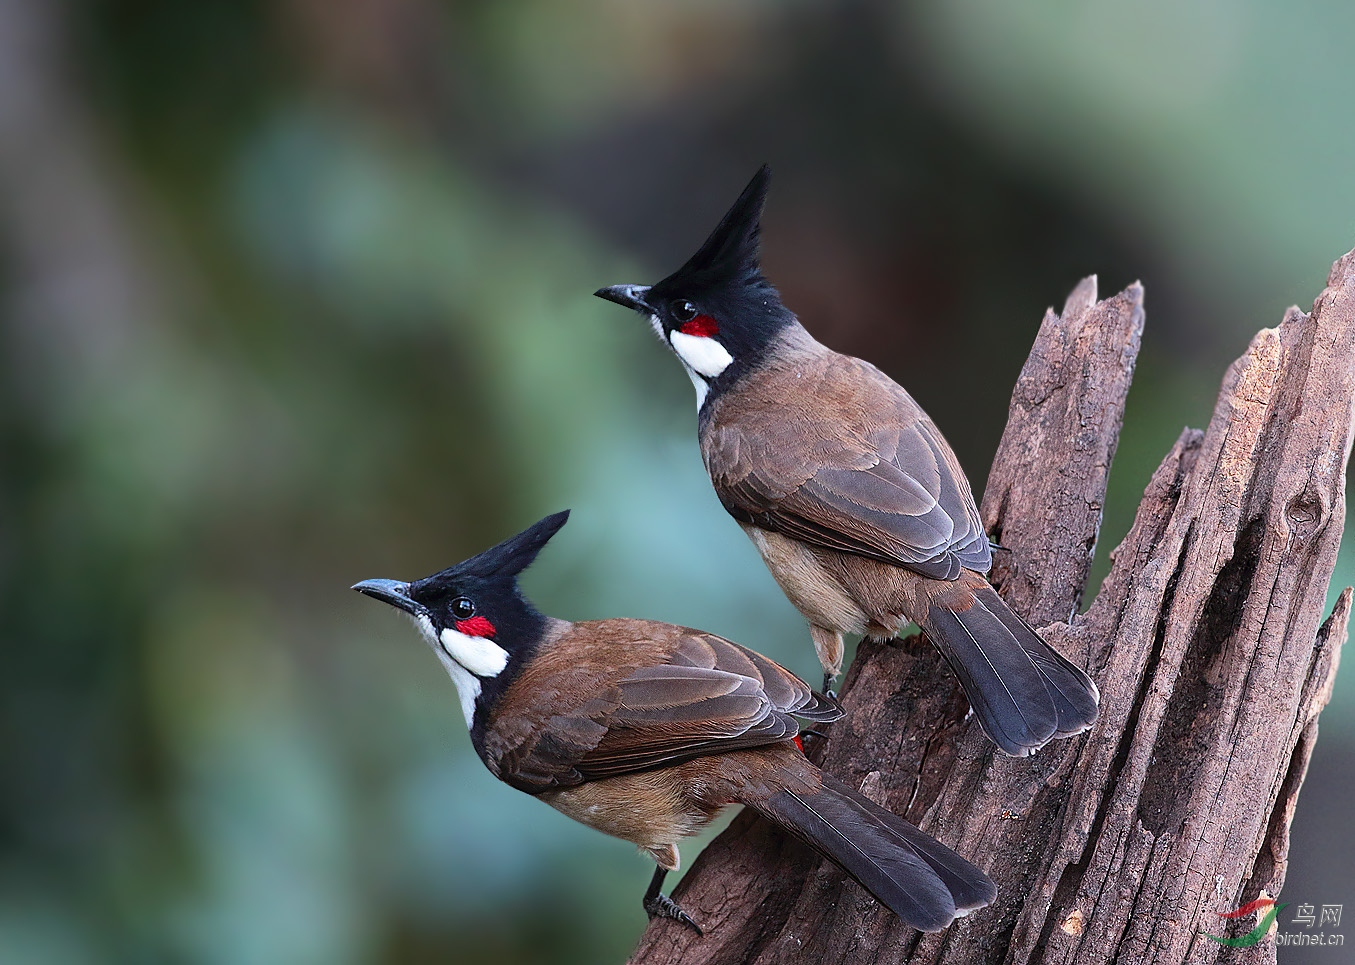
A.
pixel 829 647
pixel 814 733
pixel 659 905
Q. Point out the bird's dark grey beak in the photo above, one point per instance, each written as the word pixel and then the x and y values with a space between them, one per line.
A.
pixel 389 591
pixel 628 296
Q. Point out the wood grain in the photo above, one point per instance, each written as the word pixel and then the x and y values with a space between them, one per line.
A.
pixel 1207 640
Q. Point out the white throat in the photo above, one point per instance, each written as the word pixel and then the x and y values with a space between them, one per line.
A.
pixel 703 358
pixel 467 659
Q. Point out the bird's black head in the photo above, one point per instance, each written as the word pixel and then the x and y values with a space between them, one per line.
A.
pixel 474 616
pixel 717 312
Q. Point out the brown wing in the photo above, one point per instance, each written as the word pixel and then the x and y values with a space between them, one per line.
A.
pixel 830 451
pixel 683 694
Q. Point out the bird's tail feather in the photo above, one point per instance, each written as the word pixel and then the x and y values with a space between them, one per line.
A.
pixel 1023 691
pixel 914 875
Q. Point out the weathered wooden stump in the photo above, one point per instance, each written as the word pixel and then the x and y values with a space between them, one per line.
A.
pixel 1207 642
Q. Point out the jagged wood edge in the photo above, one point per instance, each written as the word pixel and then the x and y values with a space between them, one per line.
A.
pixel 1081 876
pixel 746 882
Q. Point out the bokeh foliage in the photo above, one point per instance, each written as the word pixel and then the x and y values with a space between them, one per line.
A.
pixel 297 293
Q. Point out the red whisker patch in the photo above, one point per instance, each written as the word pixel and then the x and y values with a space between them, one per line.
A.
pixel 703 326
pixel 475 627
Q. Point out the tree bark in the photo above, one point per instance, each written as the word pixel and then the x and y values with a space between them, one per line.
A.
pixel 1206 639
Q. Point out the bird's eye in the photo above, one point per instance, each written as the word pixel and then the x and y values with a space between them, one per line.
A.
pixel 462 608
pixel 683 310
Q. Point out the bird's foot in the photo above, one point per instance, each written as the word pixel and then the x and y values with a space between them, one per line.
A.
pixel 828 690
pixel 807 732
pixel 661 906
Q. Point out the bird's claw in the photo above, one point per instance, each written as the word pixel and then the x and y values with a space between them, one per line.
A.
pixel 661 906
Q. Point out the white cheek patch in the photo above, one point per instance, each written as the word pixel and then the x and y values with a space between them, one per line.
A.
pixel 464 658
pixel 467 684
pixel 704 356
pixel 480 655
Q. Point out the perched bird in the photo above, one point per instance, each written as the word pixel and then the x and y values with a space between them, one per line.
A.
pixel 856 503
pixel 646 730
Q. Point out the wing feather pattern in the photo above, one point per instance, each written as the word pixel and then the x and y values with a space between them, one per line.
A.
pixel 687 694
pixel 832 452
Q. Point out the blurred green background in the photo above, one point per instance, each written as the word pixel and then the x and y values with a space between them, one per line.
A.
pixel 298 293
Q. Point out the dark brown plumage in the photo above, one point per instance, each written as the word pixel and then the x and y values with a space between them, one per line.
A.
pixel 646 730
pixel 866 521
pixel 608 697
pixel 852 496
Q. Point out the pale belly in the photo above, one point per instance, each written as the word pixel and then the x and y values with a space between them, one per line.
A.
pixel 646 809
pixel 810 588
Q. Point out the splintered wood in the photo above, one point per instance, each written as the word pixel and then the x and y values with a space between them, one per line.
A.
pixel 1207 640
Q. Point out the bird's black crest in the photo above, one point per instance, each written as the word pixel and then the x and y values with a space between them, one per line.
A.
pixel 724 282
pixel 516 553
pixel 730 254
pixel 507 559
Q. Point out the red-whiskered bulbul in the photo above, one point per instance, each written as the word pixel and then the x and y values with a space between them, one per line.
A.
pixel 646 730
pixel 856 503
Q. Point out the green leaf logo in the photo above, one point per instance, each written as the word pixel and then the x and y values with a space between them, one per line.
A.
pixel 1256 934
